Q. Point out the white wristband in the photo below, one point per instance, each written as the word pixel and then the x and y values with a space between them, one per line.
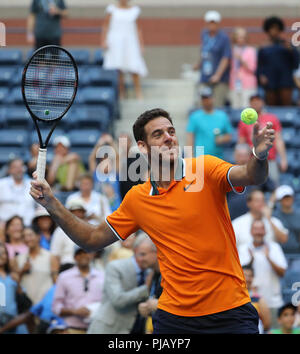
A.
pixel 253 152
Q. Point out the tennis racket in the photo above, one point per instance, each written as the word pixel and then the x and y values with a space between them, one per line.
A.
pixel 49 86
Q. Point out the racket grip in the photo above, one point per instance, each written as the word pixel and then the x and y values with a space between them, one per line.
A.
pixel 41 164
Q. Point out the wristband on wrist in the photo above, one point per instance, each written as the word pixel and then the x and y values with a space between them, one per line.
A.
pixel 258 158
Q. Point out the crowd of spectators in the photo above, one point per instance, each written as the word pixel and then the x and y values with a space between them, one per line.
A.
pixel 53 286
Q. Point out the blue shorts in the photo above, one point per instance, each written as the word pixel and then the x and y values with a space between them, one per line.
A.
pixel 239 320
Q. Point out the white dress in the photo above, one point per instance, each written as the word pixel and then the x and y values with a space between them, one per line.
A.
pixel 124 52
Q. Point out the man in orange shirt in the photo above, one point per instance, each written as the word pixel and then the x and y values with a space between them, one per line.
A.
pixel 186 216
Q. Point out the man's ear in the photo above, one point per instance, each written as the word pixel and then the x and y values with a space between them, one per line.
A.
pixel 142 147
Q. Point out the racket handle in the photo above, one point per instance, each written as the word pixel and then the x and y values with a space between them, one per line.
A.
pixel 41 164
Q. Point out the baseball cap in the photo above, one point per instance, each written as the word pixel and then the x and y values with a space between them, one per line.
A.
pixel 205 92
pixel 75 204
pixel 212 16
pixel 284 191
pixel 62 139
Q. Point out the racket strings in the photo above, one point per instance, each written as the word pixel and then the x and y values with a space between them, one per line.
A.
pixel 50 83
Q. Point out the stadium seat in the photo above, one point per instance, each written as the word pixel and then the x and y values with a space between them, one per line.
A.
pixel 7 74
pixel 10 56
pixel 3 95
pixel 102 77
pixel 81 56
pixel 291 277
pixel 91 117
pixel 234 116
pixel 18 117
pixel 2 117
pixel 34 136
pixel 9 153
pixel 13 137
pixel 293 162
pixel 83 76
pixel 15 96
pixel 99 95
pixel 286 115
pixel 98 57
pixel 62 196
pixel 288 136
pixel 17 78
pixel 83 138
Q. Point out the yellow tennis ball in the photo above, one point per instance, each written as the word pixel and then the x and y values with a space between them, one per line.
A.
pixel 249 116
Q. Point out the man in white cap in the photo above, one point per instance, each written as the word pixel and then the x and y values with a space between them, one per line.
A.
pixel 289 217
pixel 65 166
pixel 215 58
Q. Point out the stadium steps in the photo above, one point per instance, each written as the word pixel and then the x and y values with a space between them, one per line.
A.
pixel 174 95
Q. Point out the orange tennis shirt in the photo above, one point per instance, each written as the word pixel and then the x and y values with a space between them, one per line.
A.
pixel 192 230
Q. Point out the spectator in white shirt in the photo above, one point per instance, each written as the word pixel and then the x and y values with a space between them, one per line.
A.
pixel 269 264
pixel 96 205
pixel 275 231
pixel 14 194
pixel 62 247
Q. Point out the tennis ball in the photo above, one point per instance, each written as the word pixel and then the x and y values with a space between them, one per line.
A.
pixel 47 112
pixel 249 116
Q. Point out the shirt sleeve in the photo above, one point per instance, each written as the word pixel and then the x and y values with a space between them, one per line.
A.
pixel 279 225
pixel 277 256
pixel 218 173
pixel 122 221
pixel 109 9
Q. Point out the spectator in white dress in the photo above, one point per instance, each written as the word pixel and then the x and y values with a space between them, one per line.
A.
pixel 96 205
pixel 123 44
pixel 275 231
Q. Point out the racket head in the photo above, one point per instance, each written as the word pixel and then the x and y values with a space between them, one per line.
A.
pixel 49 83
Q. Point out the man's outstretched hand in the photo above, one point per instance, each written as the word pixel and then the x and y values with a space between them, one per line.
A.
pixel 41 192
pixel 263 139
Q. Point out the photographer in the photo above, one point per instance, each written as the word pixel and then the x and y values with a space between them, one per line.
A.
pixel 276 62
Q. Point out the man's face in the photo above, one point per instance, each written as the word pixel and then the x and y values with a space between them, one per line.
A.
pixel 86 185
pixel 287 201
pixel 287 318
pixel 212 26
pixel 145 255
pixel 161 141
pixel 16 169
pixel 257 103
pixel 258 232
pixel 62 150
pixel 83 259
pixel 257 202
pixel 207 103
pixel 248 273
pixel 31 239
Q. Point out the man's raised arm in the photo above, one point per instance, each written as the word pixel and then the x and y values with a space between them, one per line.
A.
pixel 256 170
pixel 87 236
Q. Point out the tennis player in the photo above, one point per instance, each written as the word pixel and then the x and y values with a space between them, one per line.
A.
pixel 204 289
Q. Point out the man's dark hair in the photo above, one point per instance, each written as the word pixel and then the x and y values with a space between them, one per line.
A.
pixel 144 118
pixel 273 21
pixel 286 306
pixel 248 267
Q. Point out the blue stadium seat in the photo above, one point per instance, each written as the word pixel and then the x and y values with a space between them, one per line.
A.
pixel 10 56
pixel 17 78
pixel 83 138
pixel 234 116
pixel 286 115
pixel 293 162
pixel 18 117
pixel 290 277
pixel 7 75
pixel 3 95
pixel 99 95
pixel 9 153
pixel 34 136
pixel 288 136
pixel 15 96
pixel 102 77
pixel 81 56
pixel 13 137
pixel 62 196
pixel 83 75
pixel 2 117
pixel 89 117
pixel 98 57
